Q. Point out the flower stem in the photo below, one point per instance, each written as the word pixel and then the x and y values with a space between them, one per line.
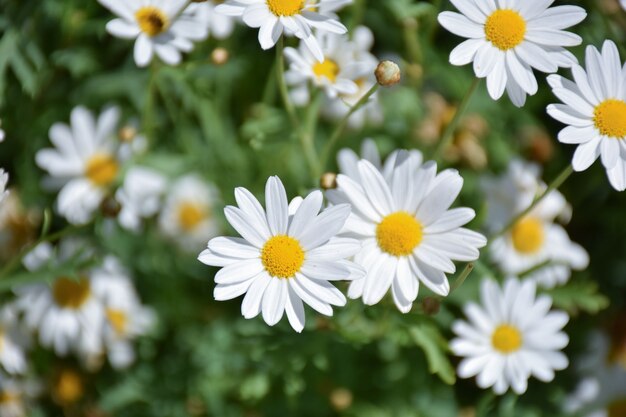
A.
pixel 554 185
pixel 334 138
pixel 282 84
pixel 461 279
pixel 307 135
pixel 448 134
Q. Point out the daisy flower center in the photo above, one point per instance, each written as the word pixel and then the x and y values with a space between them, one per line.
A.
pixel 528 235
pixel 102 169
pixel 285 7
pixel 118 320
pixel 282 256
pixel 190 215
pixel 68 388
pixel 7 397
pixel 399 234
pixel 68 293
pixel 610 118
pixel 505 29
pixel 328 69
pixel 506 339
pixel 151 20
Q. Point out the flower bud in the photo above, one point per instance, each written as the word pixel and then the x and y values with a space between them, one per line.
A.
pixel 388 73
pixel 328 181
pixel 220 56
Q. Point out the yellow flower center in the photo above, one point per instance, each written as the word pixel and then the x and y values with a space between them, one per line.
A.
pixel 102 169
pixel 7 397
pixel 68 293
pixel 528 235
pixel 328 69
pixel 610 118
pixel 68 387
pixel 282 256
pixel 190 215
pixel 118 320
pixel 152 20
pixel 285 7
pixel 505 29
pixel 399 234
pixel 506 339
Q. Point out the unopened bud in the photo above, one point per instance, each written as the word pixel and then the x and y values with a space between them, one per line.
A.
pixel 388 73
pixel 431 306
pixel 341 399
pixel 127 133
pixel 220 56
pixel 328 181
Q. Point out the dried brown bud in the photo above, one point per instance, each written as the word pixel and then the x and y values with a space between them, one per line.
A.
pixel 220 56
pixel 388 73
pixel 341 399
pixel 431 306
pixel 127 133
pixel 328 181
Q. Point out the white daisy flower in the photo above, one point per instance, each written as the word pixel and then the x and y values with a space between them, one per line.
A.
pixel 508 38
pixel 16 394
pixel 287 255
pixel 188 212
pixel 534 243
pixel 337 74
pixel 140 196
pixel 297 17
pixel 84 162
pixel 4 178
pixel 595 110
pixel 408 231
pixel 66 315
pixel 126 317
pixel 13 341
pixel 160 27
pixel 219 25
pixel 510 338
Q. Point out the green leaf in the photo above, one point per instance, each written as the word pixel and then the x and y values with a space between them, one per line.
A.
pixel 578 297
pixel 435 346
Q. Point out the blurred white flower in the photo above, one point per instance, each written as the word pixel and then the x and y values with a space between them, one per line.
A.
pixel 66 315
pixel 296 17
pixel 408 231
pixel 337 74
pixel 288 254
pixel 15 395
pixel 188 213
pixel 220 26
pixel 4 178
pixel 125 317
pixel 164 28
pixel 510 338
pixel 507 39
pixel 534 242
pixel 13 341
pixel 140 196
pixel 2 134
pixel 84 162
pixel 595 111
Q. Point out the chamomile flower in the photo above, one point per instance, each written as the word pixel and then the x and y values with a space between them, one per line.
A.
pixel 595 111
pixel 219 25
pixel 84 162
pixel 13 341
pixel 336 74
pixel 534 243
pixel 126 318
pixel 408 231
pixel 508 38
pixel 66 315
pixel 188 216
pixel 297 17
pixel 16 394
pixel 164 28
pixel 287 255
pixel 4 178
pixel 140 196
pixel 510 338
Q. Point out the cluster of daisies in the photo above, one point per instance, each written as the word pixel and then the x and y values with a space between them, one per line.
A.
pixel 507 40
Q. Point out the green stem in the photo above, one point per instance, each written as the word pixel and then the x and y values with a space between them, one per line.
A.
pixel 307 136
pixel 282 84
pixel 448 134
pixel 334 138
pixel 554 185
pixel 461 279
